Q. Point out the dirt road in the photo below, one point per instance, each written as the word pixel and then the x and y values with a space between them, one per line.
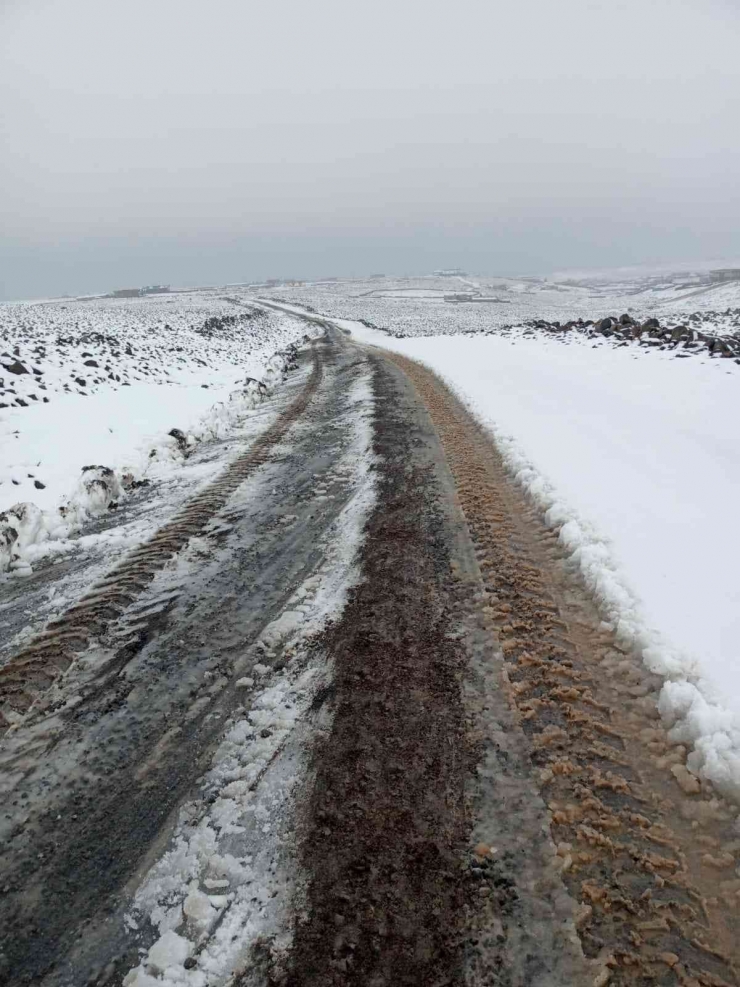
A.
pixel 267 750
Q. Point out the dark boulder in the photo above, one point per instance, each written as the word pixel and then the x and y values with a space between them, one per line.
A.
pixel 182 441
pixel 16 367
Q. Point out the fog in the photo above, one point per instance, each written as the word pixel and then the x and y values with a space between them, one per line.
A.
pixel 196 142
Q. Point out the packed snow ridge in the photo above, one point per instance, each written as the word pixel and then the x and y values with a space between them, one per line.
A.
pixel 100 397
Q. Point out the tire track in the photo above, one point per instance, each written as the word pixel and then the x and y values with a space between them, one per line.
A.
pixel 386 821
pixel 648 853
pixel 31 672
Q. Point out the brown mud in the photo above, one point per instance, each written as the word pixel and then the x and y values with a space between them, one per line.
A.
pixel 649 854
pixel 388 814
pixel 423 769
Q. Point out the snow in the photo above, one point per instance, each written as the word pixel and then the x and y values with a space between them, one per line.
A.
pixel 634 458
pixel 193 363
pixel 56 442
pixel 167 950
pixel 416 306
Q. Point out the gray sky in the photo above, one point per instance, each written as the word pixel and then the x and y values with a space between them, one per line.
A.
pixel 193 141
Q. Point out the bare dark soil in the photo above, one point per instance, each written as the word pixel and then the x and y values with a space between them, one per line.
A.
pixel 388 825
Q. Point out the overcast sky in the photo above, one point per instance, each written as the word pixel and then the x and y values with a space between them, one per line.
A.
pixel 200 141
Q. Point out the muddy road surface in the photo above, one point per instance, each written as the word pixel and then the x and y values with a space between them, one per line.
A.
pixel 349 719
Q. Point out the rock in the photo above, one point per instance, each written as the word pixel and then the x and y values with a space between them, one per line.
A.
pixel 99 488
pixel 81 381
pixel 582 915
pixel 16 367
pixel 687 782
pixel 722 861
pixel 182 440
pixel 626 319
pixel 9 530
pixel 39 485
pixel 91 363
pixel 483 850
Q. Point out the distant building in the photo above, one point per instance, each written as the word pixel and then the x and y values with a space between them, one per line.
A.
pixel 727 274
pixel 453 272
pixel 126 293
pixel 155 289
pixel 483 299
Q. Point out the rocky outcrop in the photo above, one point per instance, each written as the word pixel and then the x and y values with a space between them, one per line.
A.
pixel 650 332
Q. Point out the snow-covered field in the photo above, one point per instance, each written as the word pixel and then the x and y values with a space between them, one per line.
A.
pixel 445 305
pixel 630 452
pixel 102 383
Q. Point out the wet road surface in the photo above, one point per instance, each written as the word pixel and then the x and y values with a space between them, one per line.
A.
pixel 473 786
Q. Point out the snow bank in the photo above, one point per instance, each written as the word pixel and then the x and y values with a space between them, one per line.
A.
pixel 132 429
pixel 636 463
